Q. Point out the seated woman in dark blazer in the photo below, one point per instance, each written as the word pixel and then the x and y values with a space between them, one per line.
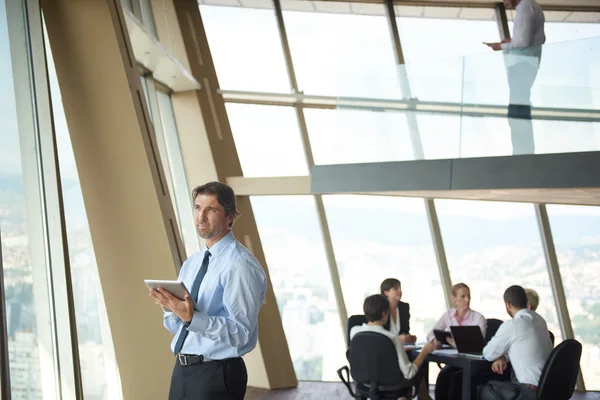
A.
pixel 399 321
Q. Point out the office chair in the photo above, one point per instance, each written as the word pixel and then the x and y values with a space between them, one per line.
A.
pixel 374 367
pixel 560 372
pixel 551 337
pixel 354 320
pixel 492 327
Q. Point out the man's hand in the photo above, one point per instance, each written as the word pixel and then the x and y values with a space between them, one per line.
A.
pixel 499 365
pixel 505 41
pixel 406 338
pixel 494 46
pixel 184 309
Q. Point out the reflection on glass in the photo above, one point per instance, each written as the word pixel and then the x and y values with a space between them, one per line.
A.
pixel 576 234
pixel 295 255
pixel 491 246
pixel 246 49
pixel 332 57
pixel 96 355
pixel 267 139
pixel 354 136
pixel 375 238
pixel 23 345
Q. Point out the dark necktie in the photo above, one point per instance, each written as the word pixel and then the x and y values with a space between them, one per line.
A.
pixel 194 294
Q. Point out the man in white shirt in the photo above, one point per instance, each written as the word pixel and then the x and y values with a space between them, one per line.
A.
pixel 523 54
pixel 523 340
pixel 376 309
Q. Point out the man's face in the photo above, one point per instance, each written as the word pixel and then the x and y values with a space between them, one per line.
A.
pixel 210 219
pixel 509 3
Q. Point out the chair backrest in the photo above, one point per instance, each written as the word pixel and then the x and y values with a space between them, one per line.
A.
pixel 551 337
pixel 353 321
pixel 560 372
pixel 373 358
pixel 492 327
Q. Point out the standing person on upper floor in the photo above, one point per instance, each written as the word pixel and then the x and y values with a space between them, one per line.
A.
pixel 449 381
pixel 399 321
pixel 522 340
pixel 523 55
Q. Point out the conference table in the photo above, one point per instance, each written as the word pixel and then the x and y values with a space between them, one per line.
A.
pixel 470 366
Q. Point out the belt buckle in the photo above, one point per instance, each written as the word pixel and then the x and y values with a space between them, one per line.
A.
pixel 182 359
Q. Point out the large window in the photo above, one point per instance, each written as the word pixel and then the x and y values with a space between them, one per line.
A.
pixel 351 136
pixel 576 233
pixel 491 246
pixel 96 352
pixel 333 57
pixel 295 254
pixel 31 353
pixel 268 140
pixel 246 48
pixel 435 41
pixel 375 238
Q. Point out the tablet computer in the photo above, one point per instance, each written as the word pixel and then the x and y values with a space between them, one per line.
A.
pixel 176 288
pixel 441 335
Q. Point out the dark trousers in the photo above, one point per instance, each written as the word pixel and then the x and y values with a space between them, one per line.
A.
pixel 449 382
pixel 222 379
pixel 520 80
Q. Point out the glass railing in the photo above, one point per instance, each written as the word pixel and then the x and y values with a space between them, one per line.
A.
pixel 537 101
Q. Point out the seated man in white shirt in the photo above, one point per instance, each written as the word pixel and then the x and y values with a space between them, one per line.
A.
pixel 522 340
pixel 376 309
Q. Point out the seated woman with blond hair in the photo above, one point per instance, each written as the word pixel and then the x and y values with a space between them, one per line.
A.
pixel 449 380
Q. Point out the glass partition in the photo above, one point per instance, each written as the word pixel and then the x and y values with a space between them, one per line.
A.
pixel 538 101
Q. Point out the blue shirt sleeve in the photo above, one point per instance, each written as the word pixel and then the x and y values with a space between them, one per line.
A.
pixel 243 294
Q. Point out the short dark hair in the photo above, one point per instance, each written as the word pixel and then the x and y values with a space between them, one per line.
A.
pixel 375 306
pixel 225 197
pixel 388 284
pixel 516 296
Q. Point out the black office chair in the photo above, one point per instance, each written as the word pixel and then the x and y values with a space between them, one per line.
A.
pixel 558 378
pixel 492 327
pixel 551 337
pixel 353 321
pixel 560 372
pixel 374 367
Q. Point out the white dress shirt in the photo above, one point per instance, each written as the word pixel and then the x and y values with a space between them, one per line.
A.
pixel 395 327
pixel 409 370
pixel 528 34
pixel 525 342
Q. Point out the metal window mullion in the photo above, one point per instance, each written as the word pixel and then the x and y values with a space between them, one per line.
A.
pixel 558 291
pixel 71 385
pixel 16 16
pixel 413 126
pixel 322 216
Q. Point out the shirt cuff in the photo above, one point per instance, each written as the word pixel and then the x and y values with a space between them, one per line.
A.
pixel 199 322
pixel 172 315
pixel 506 46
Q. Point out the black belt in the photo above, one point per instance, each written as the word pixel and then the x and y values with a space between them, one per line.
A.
pixel 190 359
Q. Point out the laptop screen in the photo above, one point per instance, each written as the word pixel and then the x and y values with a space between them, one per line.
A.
pixel 468 339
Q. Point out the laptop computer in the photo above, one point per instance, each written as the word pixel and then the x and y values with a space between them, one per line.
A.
pixel 469 341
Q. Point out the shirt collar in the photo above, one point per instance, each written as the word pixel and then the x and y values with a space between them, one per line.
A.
pixel 453 312
pixel 221 245
pixel 523 313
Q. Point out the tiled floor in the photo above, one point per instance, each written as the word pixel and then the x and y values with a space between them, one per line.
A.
pixel 334 391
